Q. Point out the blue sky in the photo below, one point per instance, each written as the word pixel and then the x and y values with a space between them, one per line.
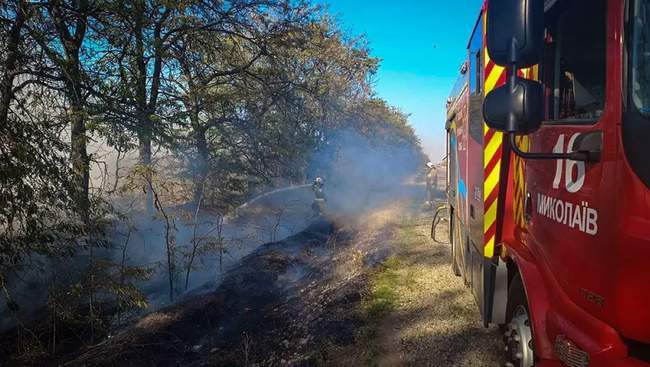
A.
pixel 422 45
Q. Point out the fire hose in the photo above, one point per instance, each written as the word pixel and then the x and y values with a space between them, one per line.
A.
pixel 441 215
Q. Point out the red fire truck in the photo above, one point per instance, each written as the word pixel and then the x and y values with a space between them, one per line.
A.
pixel 549 179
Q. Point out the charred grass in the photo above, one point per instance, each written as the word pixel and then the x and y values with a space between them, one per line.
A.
pixel 369 293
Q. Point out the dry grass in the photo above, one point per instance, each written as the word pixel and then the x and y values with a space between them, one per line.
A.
pixel 416 312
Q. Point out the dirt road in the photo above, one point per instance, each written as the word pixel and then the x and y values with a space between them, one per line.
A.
pixel 415 311
pixel 435 321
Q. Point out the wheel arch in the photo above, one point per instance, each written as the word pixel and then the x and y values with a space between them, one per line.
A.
pixel 520 263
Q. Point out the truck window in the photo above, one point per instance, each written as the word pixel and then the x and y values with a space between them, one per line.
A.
pixel 573 69
pixel 476 97
pixel 640 90
pixel 475 60
pixel 636 119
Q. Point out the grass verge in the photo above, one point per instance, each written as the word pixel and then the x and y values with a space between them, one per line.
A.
pixel 385 284
pixel 392 277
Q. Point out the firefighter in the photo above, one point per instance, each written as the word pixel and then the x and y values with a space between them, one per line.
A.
pixel 432 183
pixel 319 196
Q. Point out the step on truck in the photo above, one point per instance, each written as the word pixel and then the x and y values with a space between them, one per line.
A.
pixel 548 184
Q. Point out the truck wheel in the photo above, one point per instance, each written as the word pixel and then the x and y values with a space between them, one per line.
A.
pixel 518 336
pixel 455 238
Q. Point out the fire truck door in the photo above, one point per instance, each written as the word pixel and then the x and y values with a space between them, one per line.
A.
pixel 571 202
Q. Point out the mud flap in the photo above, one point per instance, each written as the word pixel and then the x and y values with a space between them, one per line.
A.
pixel 495 291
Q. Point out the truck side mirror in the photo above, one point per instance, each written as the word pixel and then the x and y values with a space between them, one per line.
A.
pixel 515 32
pixel 524 103
pixel 515 39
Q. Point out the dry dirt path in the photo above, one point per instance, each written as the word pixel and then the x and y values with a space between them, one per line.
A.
pixel 416 311
pixel 434 320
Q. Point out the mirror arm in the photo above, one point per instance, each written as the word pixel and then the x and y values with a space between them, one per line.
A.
pixel 511 125
pixel 584 156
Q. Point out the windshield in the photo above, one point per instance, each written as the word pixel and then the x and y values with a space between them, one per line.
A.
pixel 641 56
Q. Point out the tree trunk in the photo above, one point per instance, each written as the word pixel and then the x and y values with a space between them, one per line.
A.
pixel 144 151
pixel 202 158
pixel 71 67
pixel 78 152
pixel 145 130
pixel 79 157
pixel 10 64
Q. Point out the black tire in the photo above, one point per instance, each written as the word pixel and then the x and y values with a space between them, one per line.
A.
pixel 516 297
pixel 516 300
pixel 454 238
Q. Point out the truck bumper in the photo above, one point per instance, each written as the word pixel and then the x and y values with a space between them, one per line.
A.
pixel 627 362
pixel 547 363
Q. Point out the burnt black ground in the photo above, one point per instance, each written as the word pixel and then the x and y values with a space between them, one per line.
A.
pixel 284 304
pixel 249 317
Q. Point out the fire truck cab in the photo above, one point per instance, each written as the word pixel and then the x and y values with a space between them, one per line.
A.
pixel 548 142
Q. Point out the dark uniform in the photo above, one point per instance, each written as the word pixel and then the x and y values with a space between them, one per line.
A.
pixel 319 193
